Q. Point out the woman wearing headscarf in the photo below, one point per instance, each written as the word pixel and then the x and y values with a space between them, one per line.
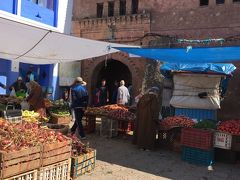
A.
pixel 148 109
pixel 36 99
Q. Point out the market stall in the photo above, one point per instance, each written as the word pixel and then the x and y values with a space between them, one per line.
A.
pixel 115 119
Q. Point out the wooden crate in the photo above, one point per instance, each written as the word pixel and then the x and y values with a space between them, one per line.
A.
pixel 15 163
pixel 57 119
pixel 83 163
pixel 54 153
pixel 57 171
pixel 89 123
pixel 31 175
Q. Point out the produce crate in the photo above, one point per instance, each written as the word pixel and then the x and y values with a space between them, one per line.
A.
pixel 54 153
pixel 170 138
pixel 83 163
pixel 197 138
pixel 89 122
pixel 58 119
pixel 235 143
pixel 31 175
pixel 197 156
pixel 225 156
pixel 109 127
pixel 58 171
pixel 15 163
pixel 222 140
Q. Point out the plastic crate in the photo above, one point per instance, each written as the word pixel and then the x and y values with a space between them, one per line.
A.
pixel 198 114
pixel 235 143
pixel 58 171
pixel 222 140
pixel 31 175
pixel 83 163
pixel 198 156
pixel 197 138
pixel 225 156
pixel 109 127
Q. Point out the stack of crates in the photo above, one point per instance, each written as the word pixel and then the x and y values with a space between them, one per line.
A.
pixel 226 146
pixel 197 146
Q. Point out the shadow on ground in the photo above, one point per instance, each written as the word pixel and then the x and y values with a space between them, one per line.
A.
pixel 161 163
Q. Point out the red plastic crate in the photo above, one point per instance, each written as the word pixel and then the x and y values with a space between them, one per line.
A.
pixel 197 138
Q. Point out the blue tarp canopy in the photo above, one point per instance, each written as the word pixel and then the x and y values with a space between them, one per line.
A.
pixel 198 67
pixel 187 55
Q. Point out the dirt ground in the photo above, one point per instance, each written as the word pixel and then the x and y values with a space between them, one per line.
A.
pixel 118 159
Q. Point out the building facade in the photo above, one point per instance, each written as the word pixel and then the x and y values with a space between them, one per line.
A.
pixel 52 15
pixel 141 22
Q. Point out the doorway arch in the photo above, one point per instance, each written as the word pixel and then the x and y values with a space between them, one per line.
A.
pixel 111 70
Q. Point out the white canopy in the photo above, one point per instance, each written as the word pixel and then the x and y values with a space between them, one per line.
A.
pixel 28 44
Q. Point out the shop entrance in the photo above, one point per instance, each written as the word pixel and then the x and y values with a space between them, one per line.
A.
pixel 112 71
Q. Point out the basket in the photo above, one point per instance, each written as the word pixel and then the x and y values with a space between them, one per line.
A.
pixel 197 156
pixel 222 140
pixel 31 175
pixel 58 171
pixel 109 127
pixel 225 156
pixel 83 163
pixel 54 153
pixel 15 163
pixel 197 138
pixel 235 143
pixel 58 119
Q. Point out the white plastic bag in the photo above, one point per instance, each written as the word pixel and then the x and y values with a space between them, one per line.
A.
pixel 13 93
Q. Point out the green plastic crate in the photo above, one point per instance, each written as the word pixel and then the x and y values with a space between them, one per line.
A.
pixel 198 156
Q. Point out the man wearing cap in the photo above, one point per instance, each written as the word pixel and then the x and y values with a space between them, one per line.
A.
pixel 18 85
pixel 79 96
pixel 123 94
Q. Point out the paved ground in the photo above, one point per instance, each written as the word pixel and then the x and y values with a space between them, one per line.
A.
pixel 119 159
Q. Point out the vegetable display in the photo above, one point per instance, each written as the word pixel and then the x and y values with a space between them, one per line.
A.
pixel 113 111
pixel 60 111
pixel 231 126
pixel 33 117
pixel 78 147
pixel 176 121
pixel 14 137
pixel 205 124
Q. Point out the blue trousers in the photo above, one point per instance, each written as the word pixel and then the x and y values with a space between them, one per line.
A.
pixel 78 122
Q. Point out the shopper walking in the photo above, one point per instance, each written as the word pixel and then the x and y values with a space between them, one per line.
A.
pixel 123 94
pixel 79 97
pixel 115 93
pixel 103 94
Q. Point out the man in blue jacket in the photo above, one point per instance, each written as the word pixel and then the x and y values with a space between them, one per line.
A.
pixel 79 97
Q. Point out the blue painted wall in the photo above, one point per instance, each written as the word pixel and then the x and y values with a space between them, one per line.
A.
pixel 9 6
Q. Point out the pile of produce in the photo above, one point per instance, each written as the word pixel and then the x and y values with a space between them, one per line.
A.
pixel 205 124
pixel 14 137
pixel 11 99
pixel 78 147
pixel 232 126
pixel 113 111
pixel 176 121
pixel 121 114
pixel 60 111
pixel 33 117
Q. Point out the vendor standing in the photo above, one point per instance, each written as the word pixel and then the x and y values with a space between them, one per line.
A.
pixel 18 85
pixel 148 109
pixel 79 97
pixel 36 98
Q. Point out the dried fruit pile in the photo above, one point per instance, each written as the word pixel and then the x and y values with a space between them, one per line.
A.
pixel 176 121
pixel 231 126
pixel 78 147
pixel 14 137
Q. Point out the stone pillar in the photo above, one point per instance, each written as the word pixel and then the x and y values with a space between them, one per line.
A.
pixel 116 7
pixel 105 9
pixel 129 7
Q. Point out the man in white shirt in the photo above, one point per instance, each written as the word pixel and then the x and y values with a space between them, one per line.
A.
pixel 123 94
